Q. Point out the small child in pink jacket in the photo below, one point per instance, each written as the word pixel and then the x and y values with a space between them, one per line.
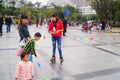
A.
pixel 25 68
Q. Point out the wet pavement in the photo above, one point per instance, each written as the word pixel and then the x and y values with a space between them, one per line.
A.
pixel 87 56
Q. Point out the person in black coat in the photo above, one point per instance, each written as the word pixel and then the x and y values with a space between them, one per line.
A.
pixel 103 25
pixel 8 22
pixel 65 26
pixel 1 24
pixel 23 29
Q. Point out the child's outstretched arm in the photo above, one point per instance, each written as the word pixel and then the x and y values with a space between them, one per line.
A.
pixel 34 53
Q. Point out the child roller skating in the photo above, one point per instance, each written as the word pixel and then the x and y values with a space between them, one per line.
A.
pixel 55 29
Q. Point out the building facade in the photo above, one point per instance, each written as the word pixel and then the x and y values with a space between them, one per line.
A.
pixel 87 10
pixel 84 6
pixel 59 2
pixel 80 3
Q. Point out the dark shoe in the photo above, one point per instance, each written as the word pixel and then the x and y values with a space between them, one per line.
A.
pixel 61 60
pixel 53 60
pixel 0 34
pixel 64 35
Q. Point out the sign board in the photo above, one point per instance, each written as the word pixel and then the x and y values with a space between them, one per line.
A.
pixel 66 12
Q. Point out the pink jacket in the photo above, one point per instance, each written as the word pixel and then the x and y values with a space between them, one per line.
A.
pixel 24 70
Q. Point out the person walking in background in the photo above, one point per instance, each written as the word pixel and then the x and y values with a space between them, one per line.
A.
pixel 103 25
pixel 55 29
pixel 25 68
pixel 41 22
pixel 30 21
pixel 110 27
pixel 8 22
pixel 90 24
pixel 1 24
pixel 98 26
pixel 48 22
pixel 65 26
pixel 23 28
pixel 37 21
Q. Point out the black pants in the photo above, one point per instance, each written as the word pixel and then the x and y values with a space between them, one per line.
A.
pixel 0 29
pixel 64 31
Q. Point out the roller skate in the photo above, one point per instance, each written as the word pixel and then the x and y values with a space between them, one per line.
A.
pixel 53 60
pixel 61 60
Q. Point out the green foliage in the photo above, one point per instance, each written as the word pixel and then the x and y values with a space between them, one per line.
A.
pixel 103 8
pixel 59 10
pixel 44 12
pixel 7 11
pixel 29 5
pixel 116 11
pixel 1 8
pixel 107 9
pixel 49 12
pixel 116 25
pixel 117 15
pixel 92 17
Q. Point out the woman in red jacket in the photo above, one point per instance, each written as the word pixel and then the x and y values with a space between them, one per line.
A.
pixel 55 29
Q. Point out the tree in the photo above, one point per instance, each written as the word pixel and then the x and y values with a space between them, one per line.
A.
pixel 11 3
pixel 29 5
pixel 49 12
pixel 7 11
pixel 116 11
pixel 58 10
pixel 38 4
pixel 22 2
pixel 1 6
pixel 103 8
pixel 117 16
pixel 0 1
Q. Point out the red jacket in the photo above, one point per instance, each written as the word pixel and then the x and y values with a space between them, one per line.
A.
pixel 59 26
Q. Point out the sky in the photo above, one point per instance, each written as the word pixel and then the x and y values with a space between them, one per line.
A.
pixel 44 2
